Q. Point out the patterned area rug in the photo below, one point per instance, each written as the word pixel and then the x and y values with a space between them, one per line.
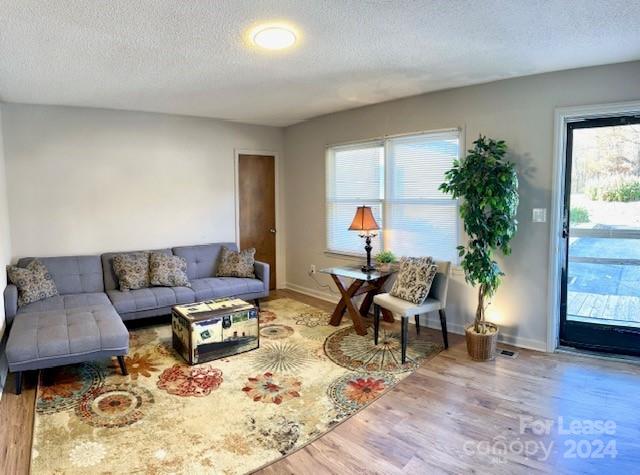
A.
pixel 228 416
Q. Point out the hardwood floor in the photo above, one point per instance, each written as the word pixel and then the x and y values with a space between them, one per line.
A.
pixel 451 416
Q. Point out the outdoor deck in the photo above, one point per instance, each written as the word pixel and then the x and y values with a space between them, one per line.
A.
pixel 621 310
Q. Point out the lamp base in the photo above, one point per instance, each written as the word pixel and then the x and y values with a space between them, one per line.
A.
pixel 367 268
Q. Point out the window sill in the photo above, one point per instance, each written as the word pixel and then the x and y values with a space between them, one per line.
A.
pixel 345 255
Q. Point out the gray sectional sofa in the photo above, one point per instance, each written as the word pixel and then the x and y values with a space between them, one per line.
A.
pixel 85 321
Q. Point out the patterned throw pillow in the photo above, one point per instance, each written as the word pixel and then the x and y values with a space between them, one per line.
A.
pixel 167 270
pixel 34 282
pixel 132 270
pixel 236 264
pixel 414 279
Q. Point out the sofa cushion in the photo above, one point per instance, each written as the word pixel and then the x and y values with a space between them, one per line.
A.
pixel 64 302
pixel 33 281
pixel 109 275
pixel 236 264
pixel 132 270
pixel 214 287
pixel 168 271
pixel 72 274
pixel 44 339
pixel 151 298
pixel 202 260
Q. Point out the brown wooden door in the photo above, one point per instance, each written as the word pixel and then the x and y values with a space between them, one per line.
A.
pixel 257 202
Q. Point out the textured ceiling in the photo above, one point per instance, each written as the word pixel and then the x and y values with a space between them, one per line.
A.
pixel 189 56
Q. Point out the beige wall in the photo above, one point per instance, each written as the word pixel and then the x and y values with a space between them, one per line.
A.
pixel 5 235
pixel 520 111
pixel 85 181
pixel 5 255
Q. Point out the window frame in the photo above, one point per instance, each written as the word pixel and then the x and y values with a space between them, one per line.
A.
pixel 386 202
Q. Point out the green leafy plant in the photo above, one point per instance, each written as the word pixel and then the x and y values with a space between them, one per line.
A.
pixel 386 257
pixel 615 188
pixel 488 188
pixel 579 215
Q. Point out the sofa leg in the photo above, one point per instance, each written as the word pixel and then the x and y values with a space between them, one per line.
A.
pixel 123 366
pixel 18 381
pixel 257 303
pixel 46 376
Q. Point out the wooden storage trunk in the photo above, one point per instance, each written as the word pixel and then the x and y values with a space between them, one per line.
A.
pixel 214 329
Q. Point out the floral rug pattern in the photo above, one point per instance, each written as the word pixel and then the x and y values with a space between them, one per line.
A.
pixel 228 416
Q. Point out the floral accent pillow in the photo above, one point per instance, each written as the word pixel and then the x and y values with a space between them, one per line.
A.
pixel 132 270
pixel 236 264
pixel 167 270
pixel 33 281
pixel 414 279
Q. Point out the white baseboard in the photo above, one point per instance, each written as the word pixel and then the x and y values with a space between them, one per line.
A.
pixel 452 326
pixel 327 296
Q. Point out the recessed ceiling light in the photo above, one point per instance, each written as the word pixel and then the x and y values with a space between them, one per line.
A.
pixel 273 37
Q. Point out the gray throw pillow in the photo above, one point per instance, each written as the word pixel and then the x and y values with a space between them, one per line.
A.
pixel 33 281
pixel 132 270
pixel 414 279
pixel 167 270
pixel 236 264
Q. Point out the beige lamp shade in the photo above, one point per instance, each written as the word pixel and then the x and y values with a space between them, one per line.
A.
pixel 364 220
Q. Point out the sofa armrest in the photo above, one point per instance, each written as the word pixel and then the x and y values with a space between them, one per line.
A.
pixel 10 302
pixel 261 270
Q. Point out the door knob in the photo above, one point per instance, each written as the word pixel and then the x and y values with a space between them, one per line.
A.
pixel 272 230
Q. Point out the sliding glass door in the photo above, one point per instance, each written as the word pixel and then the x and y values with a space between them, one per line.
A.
pixel 600 307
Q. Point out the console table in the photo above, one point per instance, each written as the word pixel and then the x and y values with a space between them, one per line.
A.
pixel 369 283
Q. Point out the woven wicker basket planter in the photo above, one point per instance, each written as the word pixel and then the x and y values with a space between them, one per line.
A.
pixel 481 347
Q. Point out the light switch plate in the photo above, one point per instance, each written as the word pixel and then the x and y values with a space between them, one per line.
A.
pixel 539 215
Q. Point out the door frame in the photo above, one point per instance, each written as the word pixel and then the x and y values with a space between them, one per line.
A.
pixel 280 257
pixel 563 116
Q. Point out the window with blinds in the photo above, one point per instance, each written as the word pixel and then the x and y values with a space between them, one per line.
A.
pixel 399 179
pixel 355 177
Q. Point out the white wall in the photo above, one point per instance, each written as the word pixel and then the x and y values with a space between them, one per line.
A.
pixel 520 111
pixel 86 181
pixel 5 254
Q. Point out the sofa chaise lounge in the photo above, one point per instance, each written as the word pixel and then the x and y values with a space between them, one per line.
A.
pixel 85 321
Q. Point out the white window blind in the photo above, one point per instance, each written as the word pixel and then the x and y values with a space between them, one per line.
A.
pixel 399 179
pixel 420 220
pixel 355 177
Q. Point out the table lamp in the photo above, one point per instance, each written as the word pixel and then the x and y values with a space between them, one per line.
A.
pixel 365 222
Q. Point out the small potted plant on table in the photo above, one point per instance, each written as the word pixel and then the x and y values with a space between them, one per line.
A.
pixel 488 187
pixel 385 260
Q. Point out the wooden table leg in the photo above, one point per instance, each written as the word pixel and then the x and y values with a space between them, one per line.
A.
pixel 341 307
pixel 358 323
pixel 387 315
pixel 368 300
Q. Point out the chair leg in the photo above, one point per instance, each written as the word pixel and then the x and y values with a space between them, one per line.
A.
pixel 443 323
pixel 376 322
pixel 405 337
pixel 18 382
pixel 257 303
pixel 123 366
pixel 417 318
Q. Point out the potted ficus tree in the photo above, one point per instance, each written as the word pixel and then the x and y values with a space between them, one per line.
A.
pixel 487 184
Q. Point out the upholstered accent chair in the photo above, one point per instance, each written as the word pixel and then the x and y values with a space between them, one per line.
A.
pixel 436 301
